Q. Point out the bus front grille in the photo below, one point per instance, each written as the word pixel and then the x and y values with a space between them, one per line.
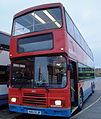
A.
pixel 35 95
pixel 34 99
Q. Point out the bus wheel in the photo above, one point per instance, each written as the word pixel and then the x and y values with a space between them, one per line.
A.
pixel 80 100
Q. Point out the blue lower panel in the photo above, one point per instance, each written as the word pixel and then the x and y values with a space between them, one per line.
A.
pixel 3 102
pixel 86 94
pixel 44 111
pixel 3 99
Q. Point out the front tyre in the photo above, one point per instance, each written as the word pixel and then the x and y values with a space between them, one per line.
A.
pixel 92 87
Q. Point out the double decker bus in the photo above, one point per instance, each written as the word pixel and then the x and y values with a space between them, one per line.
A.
pixel 52 67
pixel 4 66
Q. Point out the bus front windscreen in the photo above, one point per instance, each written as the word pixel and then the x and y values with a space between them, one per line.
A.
pixel 39 72
pixel 38 20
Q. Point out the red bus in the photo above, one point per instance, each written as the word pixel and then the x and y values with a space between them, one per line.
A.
pixel 52 67
pixel 4 66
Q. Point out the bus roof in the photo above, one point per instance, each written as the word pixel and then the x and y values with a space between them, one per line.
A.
pixel 4 40
pixel 38 7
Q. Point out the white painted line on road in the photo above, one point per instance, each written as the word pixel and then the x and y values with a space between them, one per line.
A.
pixel 86 108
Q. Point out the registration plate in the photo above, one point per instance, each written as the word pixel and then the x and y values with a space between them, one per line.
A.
pixel 34 112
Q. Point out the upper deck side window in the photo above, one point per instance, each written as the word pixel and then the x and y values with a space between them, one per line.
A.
pixel 38 20
pixel 76 35
pixel 4 41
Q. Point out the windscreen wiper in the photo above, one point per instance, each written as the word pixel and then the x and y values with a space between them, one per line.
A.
pixel 47 88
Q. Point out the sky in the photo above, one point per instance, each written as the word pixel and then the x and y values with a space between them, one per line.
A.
pixel 86 14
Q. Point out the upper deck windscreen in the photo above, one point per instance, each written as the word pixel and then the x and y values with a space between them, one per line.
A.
pixel 38 20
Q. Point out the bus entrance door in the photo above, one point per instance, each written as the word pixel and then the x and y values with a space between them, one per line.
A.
pixel 73 85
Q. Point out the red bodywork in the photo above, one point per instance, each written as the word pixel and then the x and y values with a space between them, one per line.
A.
pixel 71 50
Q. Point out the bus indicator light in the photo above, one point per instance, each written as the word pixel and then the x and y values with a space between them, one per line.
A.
pixel 10 54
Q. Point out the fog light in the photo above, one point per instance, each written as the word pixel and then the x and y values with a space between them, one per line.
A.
pixel 58 102
pixel 13 99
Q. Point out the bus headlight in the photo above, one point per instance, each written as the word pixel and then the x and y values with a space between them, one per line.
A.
pixel 58 102
pixel 13 99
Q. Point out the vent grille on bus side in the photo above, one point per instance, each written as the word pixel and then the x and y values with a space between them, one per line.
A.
pixel 34 99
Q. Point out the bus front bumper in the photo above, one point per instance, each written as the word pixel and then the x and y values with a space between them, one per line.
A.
pixel 41 111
